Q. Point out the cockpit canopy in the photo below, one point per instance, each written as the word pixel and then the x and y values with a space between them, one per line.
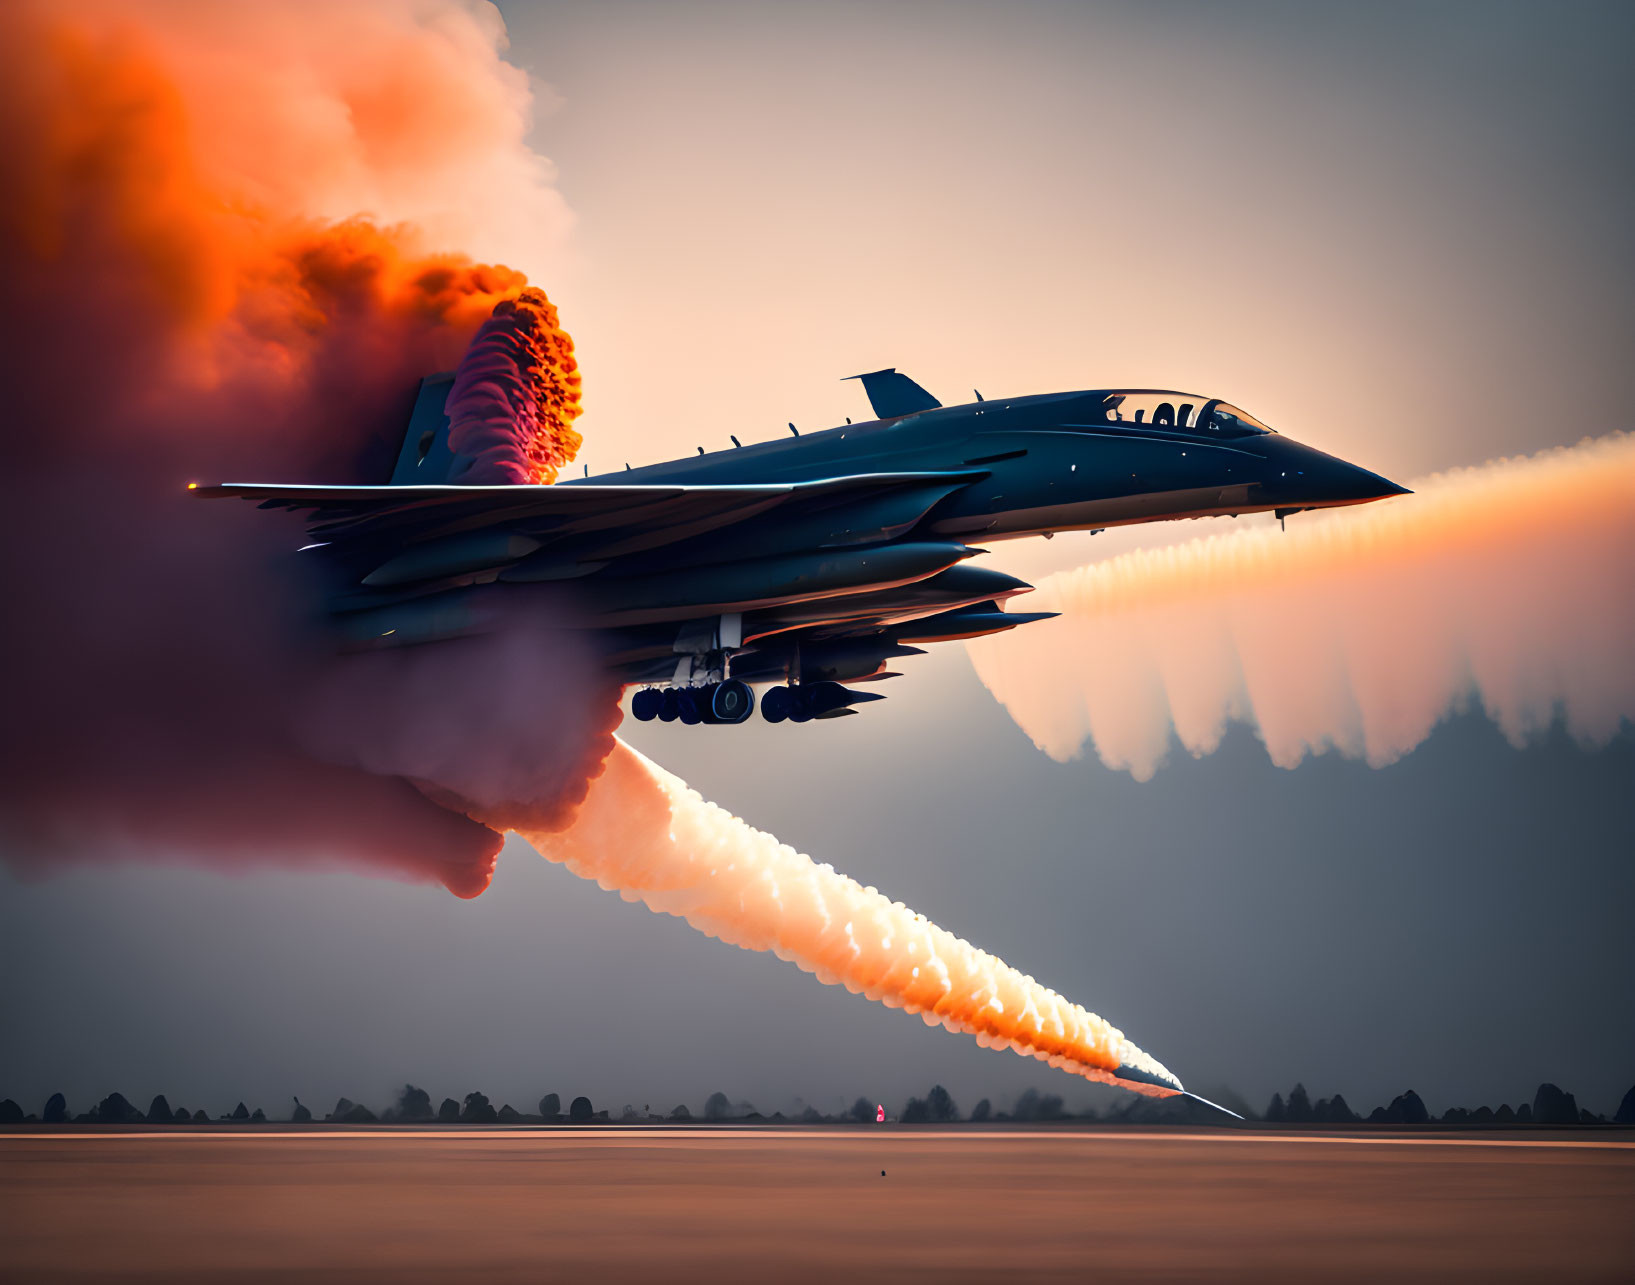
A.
pixel 1179 413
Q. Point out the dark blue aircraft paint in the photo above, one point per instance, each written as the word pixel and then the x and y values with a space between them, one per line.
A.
pixel 809 560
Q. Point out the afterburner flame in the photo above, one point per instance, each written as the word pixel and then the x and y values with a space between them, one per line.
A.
pixel 515 397
pixel 646 835
pixel 1356 630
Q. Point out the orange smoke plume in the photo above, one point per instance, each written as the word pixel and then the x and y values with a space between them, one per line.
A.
pixel 1357 630
pixel 215 273
pixel 644 834
pixel 403 111
pixel 192 293
pixel 515 397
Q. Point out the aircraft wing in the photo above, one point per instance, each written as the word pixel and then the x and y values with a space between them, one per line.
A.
pixel 596 522
pixel 824 578
pixel 423 512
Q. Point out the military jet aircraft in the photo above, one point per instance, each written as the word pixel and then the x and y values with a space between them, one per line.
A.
pixel 810 562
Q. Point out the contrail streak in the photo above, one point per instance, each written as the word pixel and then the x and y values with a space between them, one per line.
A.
pixel 646 835
pixel 1358 630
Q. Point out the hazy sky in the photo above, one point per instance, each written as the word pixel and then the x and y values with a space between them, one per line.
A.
pixel 1398 232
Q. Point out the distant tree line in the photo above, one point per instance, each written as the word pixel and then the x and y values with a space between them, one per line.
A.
pixel 413 1106
pixel 1550 1106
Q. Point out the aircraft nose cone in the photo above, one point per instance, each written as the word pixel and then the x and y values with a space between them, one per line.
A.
pixel 1308 478
pixel 1358 484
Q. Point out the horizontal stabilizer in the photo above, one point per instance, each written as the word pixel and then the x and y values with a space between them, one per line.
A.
pixel 893 395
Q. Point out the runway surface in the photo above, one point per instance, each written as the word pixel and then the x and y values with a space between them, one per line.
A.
pixel 794 1205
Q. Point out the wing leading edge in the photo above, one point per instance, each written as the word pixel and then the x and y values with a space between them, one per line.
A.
pixel 402 535
pixel 373 507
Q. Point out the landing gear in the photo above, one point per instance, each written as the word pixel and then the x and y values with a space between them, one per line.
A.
pixel 733 701
pixel 798 704
pixel 807 701
pixel 729 702
pixel 793 703
pixel 775 704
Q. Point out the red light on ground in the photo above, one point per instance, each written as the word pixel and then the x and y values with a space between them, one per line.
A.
pixel 879 1115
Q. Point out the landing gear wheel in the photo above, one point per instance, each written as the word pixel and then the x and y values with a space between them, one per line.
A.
pixel 645 704
pixel 669 706
pixel 687 706
pixel 731 701
pixel 800 705
pixel 775 704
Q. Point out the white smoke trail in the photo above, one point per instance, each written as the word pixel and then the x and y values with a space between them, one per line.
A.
pixel 644 834
pixel 1359 629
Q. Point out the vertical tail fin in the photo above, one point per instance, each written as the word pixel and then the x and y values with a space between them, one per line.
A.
pixel 892 394
pixel 425 458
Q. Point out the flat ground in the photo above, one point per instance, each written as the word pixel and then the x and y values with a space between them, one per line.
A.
pixel 786 1205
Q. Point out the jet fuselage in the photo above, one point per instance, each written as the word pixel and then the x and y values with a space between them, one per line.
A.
pixel 1055 462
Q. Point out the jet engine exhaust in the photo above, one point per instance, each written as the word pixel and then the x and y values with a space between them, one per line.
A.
pixel 643 833
pixel 1358 629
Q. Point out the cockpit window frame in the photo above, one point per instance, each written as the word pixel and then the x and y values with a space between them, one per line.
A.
pixel 1166 411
